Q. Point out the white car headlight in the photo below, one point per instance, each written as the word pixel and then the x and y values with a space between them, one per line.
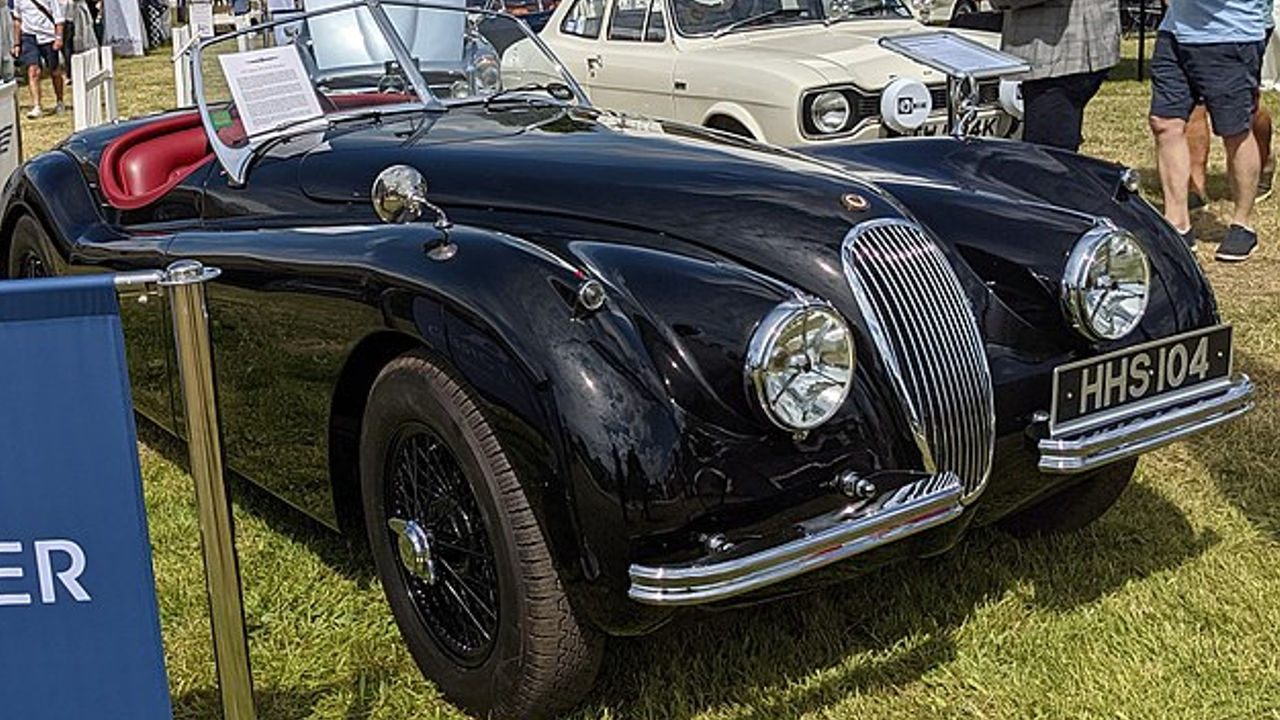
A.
pixel 800 364
pixel 1107 283
pixel 1011 97
pixel 830 112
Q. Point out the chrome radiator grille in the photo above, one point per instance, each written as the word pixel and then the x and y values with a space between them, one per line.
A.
pixel 924 328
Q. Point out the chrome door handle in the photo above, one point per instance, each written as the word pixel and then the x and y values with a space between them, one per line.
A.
pixel 594 63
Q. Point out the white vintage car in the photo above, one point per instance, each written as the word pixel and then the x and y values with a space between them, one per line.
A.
pixel 940 12
pixel 788 72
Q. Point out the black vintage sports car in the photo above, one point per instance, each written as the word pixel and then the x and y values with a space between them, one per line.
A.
pixel 571 371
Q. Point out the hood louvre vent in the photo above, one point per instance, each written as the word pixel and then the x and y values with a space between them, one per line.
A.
pixel 925 331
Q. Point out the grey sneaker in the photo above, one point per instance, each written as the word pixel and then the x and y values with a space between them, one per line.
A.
pixel 1196 202
pixel 59 109
pixel 1238 245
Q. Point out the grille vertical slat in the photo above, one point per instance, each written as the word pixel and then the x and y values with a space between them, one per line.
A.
pixel 963 403
pixel 927 335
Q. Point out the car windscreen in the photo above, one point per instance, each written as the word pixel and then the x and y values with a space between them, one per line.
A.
pixel 341 60
pixel 717 17
pixel 272 78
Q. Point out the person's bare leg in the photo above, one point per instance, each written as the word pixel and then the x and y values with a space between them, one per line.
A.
pixel 1174 160
pixel 1262 134
pixel 33 82
pixel 1243 167
pixel 57 83
pixel 1198 145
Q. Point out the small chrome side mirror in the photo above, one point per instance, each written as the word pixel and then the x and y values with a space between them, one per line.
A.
pixel 400 196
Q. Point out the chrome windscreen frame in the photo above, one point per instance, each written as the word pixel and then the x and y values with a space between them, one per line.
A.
pixel 236 160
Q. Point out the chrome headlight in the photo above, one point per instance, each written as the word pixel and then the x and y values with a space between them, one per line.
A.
pixel 800 364
pixel 1107 283
pixel 830 112
pixel 484 68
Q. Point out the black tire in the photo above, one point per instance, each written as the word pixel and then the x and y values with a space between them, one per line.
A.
pixel 1074 507
pixel 30 252
pixel 964 7
pixel 537 659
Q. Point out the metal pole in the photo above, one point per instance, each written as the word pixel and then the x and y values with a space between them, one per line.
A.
pixel 185 282
pixel 1142 35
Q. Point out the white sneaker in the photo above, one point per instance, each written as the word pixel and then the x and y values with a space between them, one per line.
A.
pixel 34 113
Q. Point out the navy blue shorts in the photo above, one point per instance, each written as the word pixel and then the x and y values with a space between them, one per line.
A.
pixel 34 53
pixel 1223 76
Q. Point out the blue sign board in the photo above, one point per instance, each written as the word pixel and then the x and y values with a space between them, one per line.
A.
pixel 79 628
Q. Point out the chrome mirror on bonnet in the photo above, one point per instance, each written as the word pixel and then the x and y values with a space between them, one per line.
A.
pixel 400 196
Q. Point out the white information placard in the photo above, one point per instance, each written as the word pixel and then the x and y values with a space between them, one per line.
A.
pixel 955 55
pixel 270 88
pixel 200 17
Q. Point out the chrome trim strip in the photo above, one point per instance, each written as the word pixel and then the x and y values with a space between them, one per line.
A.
pixel 124 281
pixel 1180 415
pixel 856 529
pixel 924 328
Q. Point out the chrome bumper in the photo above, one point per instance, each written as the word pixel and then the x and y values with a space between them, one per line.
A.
pixel 825 539
pixel 1145 428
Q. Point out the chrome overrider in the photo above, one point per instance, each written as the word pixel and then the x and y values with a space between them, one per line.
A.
pixel 856 528
pixel 1108 437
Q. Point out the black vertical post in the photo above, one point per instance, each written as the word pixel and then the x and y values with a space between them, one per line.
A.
pixel 1142 35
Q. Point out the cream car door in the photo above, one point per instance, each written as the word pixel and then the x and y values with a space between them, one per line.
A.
pixel 636 63
pixel 576 40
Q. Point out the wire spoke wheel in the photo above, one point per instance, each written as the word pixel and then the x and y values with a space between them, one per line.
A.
pixel 31 266
pixel 462 558
pixel 457 599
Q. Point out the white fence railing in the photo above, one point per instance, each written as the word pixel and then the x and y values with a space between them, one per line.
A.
pixel 182 84
pixel 10 132
pixel 93 88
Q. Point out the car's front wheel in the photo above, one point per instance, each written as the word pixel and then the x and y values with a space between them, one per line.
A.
pixel 1075 507
pixel 462 559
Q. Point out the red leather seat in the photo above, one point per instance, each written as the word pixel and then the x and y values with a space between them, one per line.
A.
pixel 143 164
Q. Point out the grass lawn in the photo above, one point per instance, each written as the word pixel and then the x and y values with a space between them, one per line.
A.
pixel 1167 607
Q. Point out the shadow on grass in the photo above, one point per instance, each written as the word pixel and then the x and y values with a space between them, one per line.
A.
pixel 349 558
pixel 875 632
pixel 800 654
pixel 1241 458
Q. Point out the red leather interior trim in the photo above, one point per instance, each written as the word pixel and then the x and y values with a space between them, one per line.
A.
pixel 357 100
pixel 144 164
pixel 140 166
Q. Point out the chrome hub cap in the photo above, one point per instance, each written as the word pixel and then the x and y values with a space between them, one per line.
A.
pixel 415 549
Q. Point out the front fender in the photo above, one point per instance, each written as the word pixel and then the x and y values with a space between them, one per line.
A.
pixel 1013 211
pixel 632 425
pixel 736 112
pixel 51 187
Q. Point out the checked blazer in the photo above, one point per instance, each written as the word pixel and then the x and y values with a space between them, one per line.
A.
pixel 1061 37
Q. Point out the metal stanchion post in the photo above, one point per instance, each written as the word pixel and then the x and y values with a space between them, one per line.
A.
pixel 1142 36
pixel 184 281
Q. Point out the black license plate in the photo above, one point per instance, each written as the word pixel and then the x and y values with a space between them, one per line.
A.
pixel 1138 374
